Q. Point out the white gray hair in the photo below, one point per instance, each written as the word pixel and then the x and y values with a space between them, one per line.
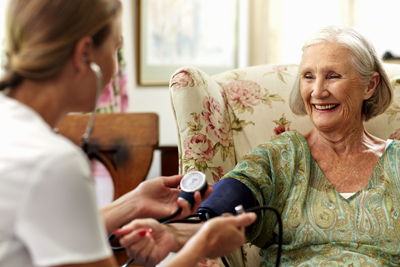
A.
pixel 365 61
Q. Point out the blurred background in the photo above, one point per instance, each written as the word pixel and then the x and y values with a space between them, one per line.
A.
pixel 254 32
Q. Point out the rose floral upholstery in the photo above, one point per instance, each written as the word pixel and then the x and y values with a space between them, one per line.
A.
pixel 220 118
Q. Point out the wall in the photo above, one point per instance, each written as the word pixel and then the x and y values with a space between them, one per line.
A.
pixel 145 98
pixel 156 98
pixel 3 6
pixel 278 28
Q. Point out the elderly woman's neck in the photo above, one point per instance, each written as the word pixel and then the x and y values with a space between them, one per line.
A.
pixel 354 140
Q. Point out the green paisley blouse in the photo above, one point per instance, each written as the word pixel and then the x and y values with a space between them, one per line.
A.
pixel 321 228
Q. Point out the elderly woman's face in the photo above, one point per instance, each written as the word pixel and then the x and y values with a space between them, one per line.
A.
pixel 330 87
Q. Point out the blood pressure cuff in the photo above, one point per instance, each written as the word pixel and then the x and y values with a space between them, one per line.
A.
pixel 226 195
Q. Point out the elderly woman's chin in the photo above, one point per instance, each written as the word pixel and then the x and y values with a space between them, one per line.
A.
pixel 328 120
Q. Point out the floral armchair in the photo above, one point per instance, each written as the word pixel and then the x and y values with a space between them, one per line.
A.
pixel 220 118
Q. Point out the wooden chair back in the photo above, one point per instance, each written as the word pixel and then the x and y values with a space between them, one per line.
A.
pixel 123 142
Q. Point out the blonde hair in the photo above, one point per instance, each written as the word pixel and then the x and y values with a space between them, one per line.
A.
pixel 41 34
pixel 365 61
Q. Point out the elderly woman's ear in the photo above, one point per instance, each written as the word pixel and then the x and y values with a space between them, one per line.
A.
pixel 372 85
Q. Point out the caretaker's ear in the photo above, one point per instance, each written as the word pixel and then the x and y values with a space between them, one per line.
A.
pixel 81 54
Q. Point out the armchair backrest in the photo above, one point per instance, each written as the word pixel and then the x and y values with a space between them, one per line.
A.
pixel 221 118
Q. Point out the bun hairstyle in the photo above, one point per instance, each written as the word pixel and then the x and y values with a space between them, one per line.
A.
pixel 41 34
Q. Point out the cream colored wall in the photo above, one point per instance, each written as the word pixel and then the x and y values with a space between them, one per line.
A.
pixel 145 98
pixel 156 98
pixel 3 7
pixel 278 28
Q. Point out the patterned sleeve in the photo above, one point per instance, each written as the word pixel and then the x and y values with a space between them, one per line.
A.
pixel 268 171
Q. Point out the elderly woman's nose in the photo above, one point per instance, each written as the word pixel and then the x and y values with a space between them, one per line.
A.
pixel 319 89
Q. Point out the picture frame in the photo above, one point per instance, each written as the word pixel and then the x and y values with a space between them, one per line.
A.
pixel 178 33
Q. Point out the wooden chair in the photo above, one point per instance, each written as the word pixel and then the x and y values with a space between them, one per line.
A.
pixel 123 142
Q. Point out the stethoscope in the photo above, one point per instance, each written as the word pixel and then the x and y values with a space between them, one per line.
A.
pixel 196 181
pixel 99 87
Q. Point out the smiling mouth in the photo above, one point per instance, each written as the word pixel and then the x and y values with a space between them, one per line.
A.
pixel 325 107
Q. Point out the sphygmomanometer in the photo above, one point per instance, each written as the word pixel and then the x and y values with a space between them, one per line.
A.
pixel 231 196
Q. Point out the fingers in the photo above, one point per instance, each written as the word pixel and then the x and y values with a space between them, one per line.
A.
pixel 136 237
pixel 245 219
pixel 226 233
pixel 242 220
pixel 186 209
pixel 198 199
pixel 135 225
pixel 239 221
pixel 140 244
pixel 121 232
pixel 172 181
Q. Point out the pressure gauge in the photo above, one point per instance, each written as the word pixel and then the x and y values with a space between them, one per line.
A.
pixel 193 181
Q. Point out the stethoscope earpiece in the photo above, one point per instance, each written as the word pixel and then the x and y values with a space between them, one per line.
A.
pixel 96 69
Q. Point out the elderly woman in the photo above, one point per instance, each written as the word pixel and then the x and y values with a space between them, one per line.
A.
pixel 336 187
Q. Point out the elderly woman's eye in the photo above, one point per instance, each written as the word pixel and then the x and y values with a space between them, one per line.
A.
pixel 308 76
pixel 334 76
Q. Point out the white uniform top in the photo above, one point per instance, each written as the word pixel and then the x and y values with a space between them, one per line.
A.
pixel 48 212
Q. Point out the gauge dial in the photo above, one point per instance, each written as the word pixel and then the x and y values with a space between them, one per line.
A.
pixel 193 181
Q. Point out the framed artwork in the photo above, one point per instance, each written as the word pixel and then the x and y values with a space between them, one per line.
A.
pixel 178 33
